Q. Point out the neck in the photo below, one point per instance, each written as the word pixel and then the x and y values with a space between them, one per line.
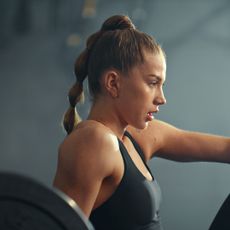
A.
pixel 108 116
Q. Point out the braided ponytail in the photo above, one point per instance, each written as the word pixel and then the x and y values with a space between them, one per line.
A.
pixel 76 94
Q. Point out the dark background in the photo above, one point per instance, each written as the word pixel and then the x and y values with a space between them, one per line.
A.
pixel 39 40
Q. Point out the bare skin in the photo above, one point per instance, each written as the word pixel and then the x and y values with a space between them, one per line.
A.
pixel 90 165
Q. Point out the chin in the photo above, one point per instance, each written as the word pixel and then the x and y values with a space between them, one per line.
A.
pixel 141 125
pixel 146 124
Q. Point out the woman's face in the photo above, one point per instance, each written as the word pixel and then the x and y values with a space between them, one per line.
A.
pixel 141 92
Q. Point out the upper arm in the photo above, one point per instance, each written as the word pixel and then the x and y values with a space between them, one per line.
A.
pixel 182 145
pixel 167 141
pixel 82 165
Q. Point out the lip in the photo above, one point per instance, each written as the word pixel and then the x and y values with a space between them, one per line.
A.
pixel 153 111
pixel 150 116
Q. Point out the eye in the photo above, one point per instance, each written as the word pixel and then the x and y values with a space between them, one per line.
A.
pixel 153 83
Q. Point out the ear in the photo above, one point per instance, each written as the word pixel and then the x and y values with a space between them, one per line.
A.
pixel 112 83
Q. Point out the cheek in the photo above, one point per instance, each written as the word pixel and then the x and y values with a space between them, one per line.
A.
pixel 135 102
pixel 135 95
pixel 138 90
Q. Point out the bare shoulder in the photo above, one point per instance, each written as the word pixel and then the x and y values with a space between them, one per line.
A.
pixel 90 143
pixel 85 159
pixel 153 137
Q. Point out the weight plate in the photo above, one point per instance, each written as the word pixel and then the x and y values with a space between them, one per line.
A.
pixel 26 204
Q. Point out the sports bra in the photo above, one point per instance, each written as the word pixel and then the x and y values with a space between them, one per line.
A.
pixel 135 204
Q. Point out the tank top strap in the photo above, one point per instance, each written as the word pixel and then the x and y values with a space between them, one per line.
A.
pixel 136 145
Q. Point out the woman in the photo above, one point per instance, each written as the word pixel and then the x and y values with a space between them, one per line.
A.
pixel 102 162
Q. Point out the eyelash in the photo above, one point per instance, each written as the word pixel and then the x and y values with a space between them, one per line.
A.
pixel 153 83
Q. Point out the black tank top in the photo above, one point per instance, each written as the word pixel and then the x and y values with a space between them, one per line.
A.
pixel 135 203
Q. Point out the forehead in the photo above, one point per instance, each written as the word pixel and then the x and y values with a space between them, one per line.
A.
pixel 154 64
pixel 155 61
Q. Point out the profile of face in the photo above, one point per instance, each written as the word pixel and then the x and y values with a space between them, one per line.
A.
pixel 141 91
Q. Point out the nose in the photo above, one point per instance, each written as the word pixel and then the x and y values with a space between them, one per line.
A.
pixel 160 98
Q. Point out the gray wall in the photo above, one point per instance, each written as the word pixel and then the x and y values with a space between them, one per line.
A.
pixel 36 65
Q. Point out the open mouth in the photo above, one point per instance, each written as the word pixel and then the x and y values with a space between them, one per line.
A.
pixel 150 116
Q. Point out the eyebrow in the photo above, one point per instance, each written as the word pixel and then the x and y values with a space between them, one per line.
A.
pixel 155 76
